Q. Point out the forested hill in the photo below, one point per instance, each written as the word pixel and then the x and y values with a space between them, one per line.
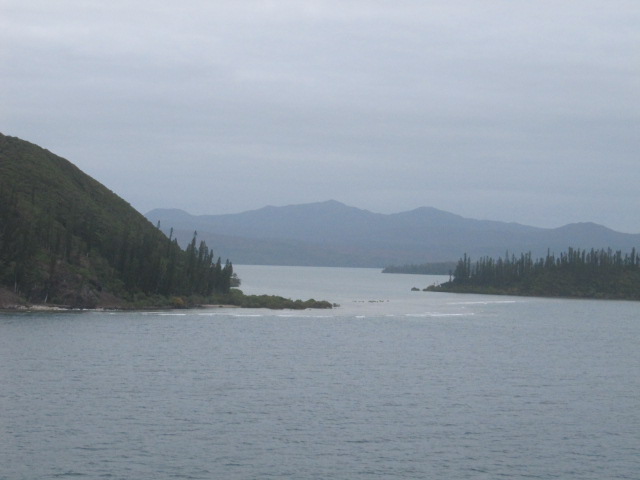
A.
pixel 67 239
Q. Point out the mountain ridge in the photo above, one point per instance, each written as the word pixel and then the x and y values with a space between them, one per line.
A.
pixel 358 237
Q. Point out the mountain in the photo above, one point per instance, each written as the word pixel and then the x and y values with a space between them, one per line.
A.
pixel 333 234
pixel 67 239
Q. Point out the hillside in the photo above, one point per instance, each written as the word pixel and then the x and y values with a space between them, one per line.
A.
pixel 66 239
pixel 333 234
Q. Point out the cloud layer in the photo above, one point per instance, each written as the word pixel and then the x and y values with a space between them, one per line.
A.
pixel 519 111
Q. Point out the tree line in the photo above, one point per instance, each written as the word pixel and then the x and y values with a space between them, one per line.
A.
pixel 50 251
pixel 596 273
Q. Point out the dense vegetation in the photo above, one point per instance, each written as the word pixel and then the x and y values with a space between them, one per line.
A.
pixel 575 273
pixel 237 298
pixel 436 268
pixel 66 239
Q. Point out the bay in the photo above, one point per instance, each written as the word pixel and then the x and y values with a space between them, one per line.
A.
pixel 390 384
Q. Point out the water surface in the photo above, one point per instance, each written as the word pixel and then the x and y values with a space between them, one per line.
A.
pixel 392 384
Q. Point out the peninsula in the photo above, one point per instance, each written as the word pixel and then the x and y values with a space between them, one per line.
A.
pixel 68 241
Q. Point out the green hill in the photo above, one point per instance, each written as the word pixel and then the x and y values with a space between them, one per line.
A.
pixel 66 239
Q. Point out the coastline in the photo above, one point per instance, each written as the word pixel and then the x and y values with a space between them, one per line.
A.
pixel 10 302
pixel 514 292
pixel 66 308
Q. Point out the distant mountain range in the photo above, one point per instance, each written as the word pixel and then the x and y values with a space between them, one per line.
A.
pixel 333 234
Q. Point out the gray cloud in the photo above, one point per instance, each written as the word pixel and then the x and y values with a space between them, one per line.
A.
pixel 518 111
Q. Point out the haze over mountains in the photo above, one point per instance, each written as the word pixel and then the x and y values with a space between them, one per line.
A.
pixel 333 234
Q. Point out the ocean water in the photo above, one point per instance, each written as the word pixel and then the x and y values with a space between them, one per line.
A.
pixel 392 384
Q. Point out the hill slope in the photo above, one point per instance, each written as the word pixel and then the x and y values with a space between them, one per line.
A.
pixel 332 234
pixel 67 239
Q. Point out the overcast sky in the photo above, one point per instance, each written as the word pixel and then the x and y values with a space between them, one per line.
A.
pixel 525 111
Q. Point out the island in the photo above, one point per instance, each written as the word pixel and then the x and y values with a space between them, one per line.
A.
pixel 576 273
pixel 434 268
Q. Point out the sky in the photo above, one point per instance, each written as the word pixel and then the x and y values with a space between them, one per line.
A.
pixel 519 111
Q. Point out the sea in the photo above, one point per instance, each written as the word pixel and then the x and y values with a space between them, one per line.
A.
pixel 390 384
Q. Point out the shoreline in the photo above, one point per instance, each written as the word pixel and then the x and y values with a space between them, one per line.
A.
pixel 234 299
pixel 64 308
pixel 518 293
